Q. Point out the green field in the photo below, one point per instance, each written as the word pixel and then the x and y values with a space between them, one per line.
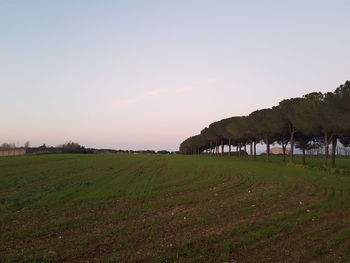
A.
pixel 166 208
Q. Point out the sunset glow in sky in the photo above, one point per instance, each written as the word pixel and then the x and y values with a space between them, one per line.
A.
pixel 149 74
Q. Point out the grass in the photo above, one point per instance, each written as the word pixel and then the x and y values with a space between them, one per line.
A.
pixel 166 208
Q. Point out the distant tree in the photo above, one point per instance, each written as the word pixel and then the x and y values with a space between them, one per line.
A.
pixel 6 145
pixel 336 110
pixel 282 138
pixel 163 152
pixel 211 138
pixel 308 122
pixel 193 145
pixel 307 119
pixel 72 147
pixel 27 144
pixel 279 128
pixel 303 143
pixel 225 135
pixel 290 110
pixel 268 125
pixel 345 141
pixel 251 134
pixel 324 115
pixel 237 129
pixel 219 130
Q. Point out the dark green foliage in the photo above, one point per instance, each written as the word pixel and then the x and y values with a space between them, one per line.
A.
pixel 163 152
pixel 311 120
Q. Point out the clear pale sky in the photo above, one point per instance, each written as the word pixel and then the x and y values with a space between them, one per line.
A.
pixel 149 74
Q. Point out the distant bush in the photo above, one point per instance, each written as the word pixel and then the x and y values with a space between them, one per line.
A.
pixel 6 145
pixel 243 153
pixel 74 147
pixel 163 152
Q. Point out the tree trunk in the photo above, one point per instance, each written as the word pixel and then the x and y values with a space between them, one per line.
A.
pixel 222 147
pixel 245 148
pixel 326 150
pixel 229 147
pixel 254 149
pixel 251 149
pixel 284 146
pixel 267 149
pixel 216 147
pixel 303 159
pixel 291 145
pixel 334 147
pixel 211 146
pixel 239 150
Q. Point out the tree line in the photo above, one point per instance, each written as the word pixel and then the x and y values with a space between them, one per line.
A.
pixel 7 145
pixel 314 120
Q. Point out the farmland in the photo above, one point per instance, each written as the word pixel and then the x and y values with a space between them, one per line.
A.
pixel 167 208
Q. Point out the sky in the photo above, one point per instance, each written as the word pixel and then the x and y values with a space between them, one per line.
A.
pixel 148 74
